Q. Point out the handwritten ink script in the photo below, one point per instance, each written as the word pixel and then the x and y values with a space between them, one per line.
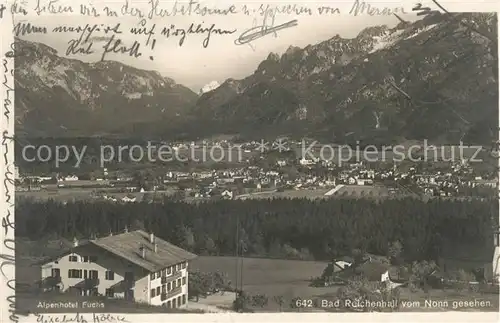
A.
pixel 7 263
pixel 154 23
pixel 423 11
pixel 261 31
pixel 80 318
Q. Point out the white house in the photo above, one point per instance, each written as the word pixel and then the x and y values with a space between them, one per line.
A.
pixel 304 162
pixel 129 199
pixel 133 265
pixel 363 182
pixel 70 178
pixel 227 194
pixel 281 163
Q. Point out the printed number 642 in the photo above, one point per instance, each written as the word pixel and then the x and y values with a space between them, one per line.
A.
pixel 304 303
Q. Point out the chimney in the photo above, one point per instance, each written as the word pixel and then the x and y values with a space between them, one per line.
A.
pixel 143 252
pixel 75 242
pixel 151 238
pixel 156 247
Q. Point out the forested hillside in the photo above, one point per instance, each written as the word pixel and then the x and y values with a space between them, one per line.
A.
pixel 281 228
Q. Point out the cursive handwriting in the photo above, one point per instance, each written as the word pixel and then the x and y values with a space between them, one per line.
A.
pixel 52 8
pixel 84 43
pixel 2 9
pixel 423 11
pixel 261 31
pixel 79 318
pixel 22 28
pixel 106 317
pixel 116 46
pixel 362 7
pixel 8 249
pixel 190 8
pixel 195 29
pixel 44 318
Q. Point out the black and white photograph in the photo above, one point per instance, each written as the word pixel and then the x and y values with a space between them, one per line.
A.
pixel 215 157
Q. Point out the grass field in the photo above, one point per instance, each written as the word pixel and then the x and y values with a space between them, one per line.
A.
pixel 287 279
pixel 271 277
pixel 82 194
pixel 310 194
pixel 362 191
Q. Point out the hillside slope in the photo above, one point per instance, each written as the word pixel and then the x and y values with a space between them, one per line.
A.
pixel 434 79
pixel 56 96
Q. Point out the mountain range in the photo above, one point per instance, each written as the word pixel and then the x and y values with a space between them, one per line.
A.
pixel 435 78
pixel 56 96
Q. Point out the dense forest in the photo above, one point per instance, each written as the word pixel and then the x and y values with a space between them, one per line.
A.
pixel 280 228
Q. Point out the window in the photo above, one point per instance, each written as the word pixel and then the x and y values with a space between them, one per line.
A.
pixel 56 272
pixel 110 292
pixel 173 284
pixel 178 282
pixel 158 274
pixel 164 273
pixel 85 259
pixel 178 267
pixel 73 258
pixel 74 273
pixel 93 274
pixel 179 301
pixel 92 259
pixel 163 289
pixel 173 303
pixel 169 304
pixel 110 275
pixel 152 276
pixel 85 274
pixel 183 280
pixel 184 265
pixel 183 299
pixel 169 270
pixel 153 293
pixel 169 286
pixel 158 290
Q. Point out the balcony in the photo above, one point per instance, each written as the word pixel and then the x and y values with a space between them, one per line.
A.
pixel 88 283
pixel 49 282
pixel 123 285
pixel 174 292
pixel 177 274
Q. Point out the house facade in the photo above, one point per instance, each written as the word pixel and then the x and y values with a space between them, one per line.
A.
pixel 482 259
pixel 135 266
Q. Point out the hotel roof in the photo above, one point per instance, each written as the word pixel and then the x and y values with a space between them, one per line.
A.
pixel 127 245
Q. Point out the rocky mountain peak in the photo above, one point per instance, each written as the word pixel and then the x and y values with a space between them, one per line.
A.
pixel 273 57
pixel 367 86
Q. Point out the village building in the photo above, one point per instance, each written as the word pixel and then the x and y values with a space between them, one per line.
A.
pixel 135 266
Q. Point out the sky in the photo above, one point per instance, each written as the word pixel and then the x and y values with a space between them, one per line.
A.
pixel 193 65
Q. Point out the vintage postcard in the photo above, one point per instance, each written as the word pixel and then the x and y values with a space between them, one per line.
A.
pixel 319 160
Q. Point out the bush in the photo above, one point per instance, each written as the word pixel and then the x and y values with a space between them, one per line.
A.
pixel 241 303
pixel 259 300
